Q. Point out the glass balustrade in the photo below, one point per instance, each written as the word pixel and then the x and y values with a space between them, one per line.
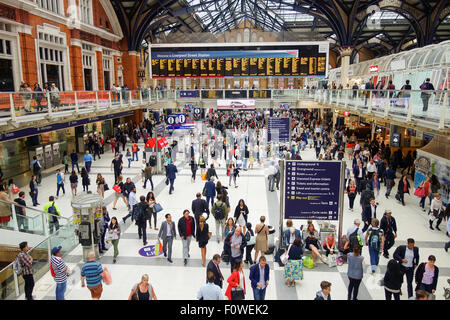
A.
pixel 12 285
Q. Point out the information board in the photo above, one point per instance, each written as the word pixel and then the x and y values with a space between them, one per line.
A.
pixel 312 190
pixel 297 60
pixel 278 129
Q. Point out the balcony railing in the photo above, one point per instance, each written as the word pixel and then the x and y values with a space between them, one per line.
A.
pixel 403 105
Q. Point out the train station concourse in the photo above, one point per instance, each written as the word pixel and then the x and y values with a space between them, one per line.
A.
pixel 182 150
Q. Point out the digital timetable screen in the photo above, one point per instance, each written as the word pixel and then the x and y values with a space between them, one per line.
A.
pixel 297 60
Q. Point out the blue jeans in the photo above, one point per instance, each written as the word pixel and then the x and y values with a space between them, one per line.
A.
pixel 60 290
pixel 171 185
pixel 129 161
pixel 75 164
pixel 374 258
pixel 422 202
pixel 245 163
pixel 88 166
pixel 259 294
pixel 135 154
pixel 34 197
pixel 145 182
pixel 209 198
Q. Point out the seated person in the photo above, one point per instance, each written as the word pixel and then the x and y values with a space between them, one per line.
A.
pixel 329 244
pixel 290 234
pixel 312 242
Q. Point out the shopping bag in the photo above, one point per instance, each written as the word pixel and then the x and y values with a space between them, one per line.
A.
pixel 285 256
pixel 105 187
pixel 420 192
pixel 157 207
pixel 308 262
pixel 117 189
pixel 107 276
pixel 332 260
pixel 204 177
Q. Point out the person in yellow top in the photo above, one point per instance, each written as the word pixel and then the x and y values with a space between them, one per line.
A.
pixel 53 212
pixel 134 150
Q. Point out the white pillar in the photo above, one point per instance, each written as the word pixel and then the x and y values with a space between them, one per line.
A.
pixel 345 63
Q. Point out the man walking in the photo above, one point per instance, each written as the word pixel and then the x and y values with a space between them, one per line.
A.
pixel 59 183
pixel 390 176
pixel 369 213
pixel 408 257
pixel 36 166
pixel 26 263
pixel 132 201
pixel 426 88
pixel 52 214
pixel 60 270
pixel 213 266
pixel 234 244
pixel 199 206
pixel 171 171
pixel 116 165
pixel 141 213
pixel 87 161
pixel 74 160
pixel 148 175
pixel 92 271
pixel 167 233
pixel 210 191
pixel 220 212
pixel 271 171
pixel 210 291
pixel 186 230
pixel 259 276
pixel 389 227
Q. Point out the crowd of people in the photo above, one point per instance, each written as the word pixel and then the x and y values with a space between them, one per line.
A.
pixel 239 139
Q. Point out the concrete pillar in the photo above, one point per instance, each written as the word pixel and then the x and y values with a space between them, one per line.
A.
pixel 345 63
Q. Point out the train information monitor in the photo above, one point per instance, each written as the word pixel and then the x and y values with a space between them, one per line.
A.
pixel 223 60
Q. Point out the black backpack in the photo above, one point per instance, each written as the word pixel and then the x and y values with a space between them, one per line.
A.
pixel 138 213
pixel 353 239
pixel 219 212
pixel 52 210
pixel 36 167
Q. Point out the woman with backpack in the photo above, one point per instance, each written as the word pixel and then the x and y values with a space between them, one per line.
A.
pixel 142 290
pixel 375 242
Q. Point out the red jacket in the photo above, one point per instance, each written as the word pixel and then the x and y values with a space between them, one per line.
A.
pixel 233 281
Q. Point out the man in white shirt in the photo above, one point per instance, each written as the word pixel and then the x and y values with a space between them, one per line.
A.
pixel 210 291
pixel 271 172
pixel 371 168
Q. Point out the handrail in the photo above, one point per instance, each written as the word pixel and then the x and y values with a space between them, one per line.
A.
pixel 32 209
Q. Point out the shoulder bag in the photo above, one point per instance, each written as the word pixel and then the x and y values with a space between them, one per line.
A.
pixel 285 256
pixel 237 293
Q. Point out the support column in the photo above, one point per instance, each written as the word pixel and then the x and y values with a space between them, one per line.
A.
pixel 130 59
pixel 345 63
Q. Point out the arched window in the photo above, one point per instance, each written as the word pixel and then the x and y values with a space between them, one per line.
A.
pixel 239 37
pixel 254 37
pixel 246 35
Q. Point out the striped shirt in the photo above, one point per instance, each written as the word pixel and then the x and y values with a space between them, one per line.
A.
pixel 59 266
pixel 92 270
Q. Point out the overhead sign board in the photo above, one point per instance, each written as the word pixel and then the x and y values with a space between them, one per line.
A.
pixel 311 190
pixel 278 129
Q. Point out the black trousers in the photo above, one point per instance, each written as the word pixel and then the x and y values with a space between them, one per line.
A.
pixel 389 241
pixel 153 214
pixel 409 272
pixel 389 294
pixel 142 231
pixel 29 285
pixel 248 253
pixel 353 286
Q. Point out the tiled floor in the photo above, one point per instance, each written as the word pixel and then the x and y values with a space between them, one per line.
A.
pixel 175 281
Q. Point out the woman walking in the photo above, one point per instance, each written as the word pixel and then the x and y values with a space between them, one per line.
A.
pixel 151 201
pixel 65 160
pixel 114 231
pixel 293 270
pixel 393 280
pixel 241 213
pixel 120 194
pixel 236 281
pixel 425 185
pixel 229 227
pixel 261 231
pixel 85 179
pixel 194 168
pixel 403 187
pixel 427 275
pixel 100 185
pixel 73 178
pixel 143 290
pixel 437 210
pixel 202 237
pixel 230 172
pixel 354 272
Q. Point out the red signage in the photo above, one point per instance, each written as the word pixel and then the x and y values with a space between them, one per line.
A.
pixel 373 68
pixel 150 143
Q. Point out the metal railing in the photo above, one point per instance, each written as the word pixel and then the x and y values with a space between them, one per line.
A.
pixel 12 285
pixel 34 221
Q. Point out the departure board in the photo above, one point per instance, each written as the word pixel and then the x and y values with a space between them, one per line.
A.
pixel 298 61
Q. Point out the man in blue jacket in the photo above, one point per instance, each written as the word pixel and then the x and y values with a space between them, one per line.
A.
pixel 259 276
pixel 74 159
pixel 210 191
pixel 170 172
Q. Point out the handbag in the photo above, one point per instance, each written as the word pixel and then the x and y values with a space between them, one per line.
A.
pixel 420 192
pixel 157 207
pixel 167 181
pixel 237 294
pixel 105 187
pixel 204 191
pixel 117 189
pixel 332 260
pixel 107 276
pixel 15 190
pixel 209 235
pixel 285 256
pixel 111 236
